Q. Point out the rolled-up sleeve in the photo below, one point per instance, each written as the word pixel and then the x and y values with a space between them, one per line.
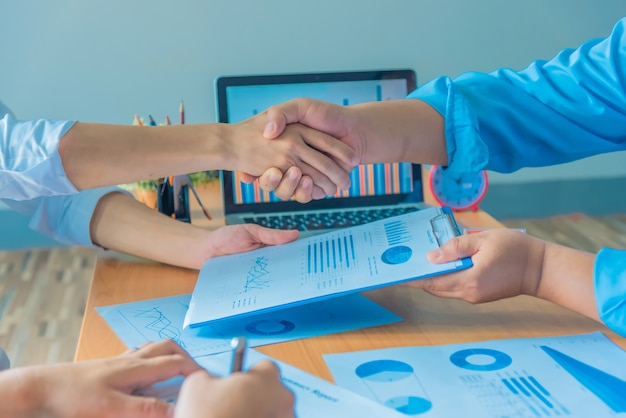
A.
pixel 64 218
pixel 30 164
pixel 567 108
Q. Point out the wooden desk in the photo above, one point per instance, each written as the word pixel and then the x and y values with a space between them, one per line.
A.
pixel 428 320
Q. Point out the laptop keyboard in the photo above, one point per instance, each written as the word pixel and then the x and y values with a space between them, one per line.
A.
pixel 327 220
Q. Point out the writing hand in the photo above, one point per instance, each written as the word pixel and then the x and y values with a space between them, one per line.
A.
pixel 257 392
pixel 102 388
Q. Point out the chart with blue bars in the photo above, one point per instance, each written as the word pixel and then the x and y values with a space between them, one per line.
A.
pixel 328 259
pixel 571 376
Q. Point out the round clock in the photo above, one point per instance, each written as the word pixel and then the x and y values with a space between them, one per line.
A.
pixel 459 191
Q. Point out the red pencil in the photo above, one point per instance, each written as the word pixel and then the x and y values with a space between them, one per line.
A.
pixel 167 120
pixel 181 112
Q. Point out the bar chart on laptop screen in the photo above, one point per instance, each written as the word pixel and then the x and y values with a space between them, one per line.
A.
pixel 368 180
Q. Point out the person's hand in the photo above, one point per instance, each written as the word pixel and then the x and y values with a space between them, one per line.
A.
pixel 336 121
pixel 257 393
pixel 506 263
pixel 234 239
pixel 326 160
pixel 103 388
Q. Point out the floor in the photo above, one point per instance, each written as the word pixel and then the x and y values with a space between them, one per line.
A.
pixel 43 291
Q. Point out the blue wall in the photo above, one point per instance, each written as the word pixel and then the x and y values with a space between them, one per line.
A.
pixel 107 60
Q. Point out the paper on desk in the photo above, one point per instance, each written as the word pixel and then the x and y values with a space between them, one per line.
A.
pixel 314 397
pixel 363 257
pixel 575 376
pixel 155 319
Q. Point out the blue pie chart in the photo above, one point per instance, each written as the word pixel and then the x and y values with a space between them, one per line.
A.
pixel 384 370
pixel 481 359
pixel 397 255
pixel 270 327
pixel 409 405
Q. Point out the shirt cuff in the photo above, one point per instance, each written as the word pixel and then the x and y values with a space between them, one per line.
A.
pixel 610 288
pixel 65 218
pixel 467 152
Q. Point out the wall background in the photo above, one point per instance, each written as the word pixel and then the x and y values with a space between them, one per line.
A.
pixel 104 61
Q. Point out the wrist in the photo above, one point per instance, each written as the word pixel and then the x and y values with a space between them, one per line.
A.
pixel 531 282
pixel 21 393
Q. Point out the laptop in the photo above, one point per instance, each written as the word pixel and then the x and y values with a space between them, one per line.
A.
pixel 377 190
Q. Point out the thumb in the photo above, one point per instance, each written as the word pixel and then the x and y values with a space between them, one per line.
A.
pixel 279 116
pixel 454 249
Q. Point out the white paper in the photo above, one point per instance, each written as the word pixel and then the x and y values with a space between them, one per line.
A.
pixel 363 257
pixel 314 397
pixel 574 376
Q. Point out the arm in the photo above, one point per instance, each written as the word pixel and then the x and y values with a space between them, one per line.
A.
pixel 99 388
pixel 113 219
pixel 48 157
pixel 255 393
pixel 121 223
pixel 555 111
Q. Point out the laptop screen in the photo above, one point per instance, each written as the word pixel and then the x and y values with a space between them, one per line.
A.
pixel 240 97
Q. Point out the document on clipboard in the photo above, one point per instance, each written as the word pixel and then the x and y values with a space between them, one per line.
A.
pixel 355 259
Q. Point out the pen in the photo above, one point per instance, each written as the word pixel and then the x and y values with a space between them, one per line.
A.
pixel 181 112
pixel 239 347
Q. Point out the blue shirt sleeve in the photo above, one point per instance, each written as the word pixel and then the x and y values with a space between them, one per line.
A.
pixel 610 288
pixel 30 164
pixel 64 218
pixel 567 108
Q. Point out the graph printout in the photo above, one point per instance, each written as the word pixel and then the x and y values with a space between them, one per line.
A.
pixel 314 397
pixel 574 376
pixel 345 261
pixel 155 319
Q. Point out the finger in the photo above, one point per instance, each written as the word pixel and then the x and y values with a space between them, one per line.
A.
pixel 446 286
pixel 248 178
pixel 290 182
pixel 333 147
pixel 140 407
pixel 306 190
pixel 271 178
pixel 320 179
pixel 271 236
pixel 160 348
pixel 266 368
pixel 455 249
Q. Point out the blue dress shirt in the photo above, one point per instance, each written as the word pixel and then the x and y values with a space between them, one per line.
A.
pixel 555 111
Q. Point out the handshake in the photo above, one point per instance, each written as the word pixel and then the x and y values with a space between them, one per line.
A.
pixel 309 147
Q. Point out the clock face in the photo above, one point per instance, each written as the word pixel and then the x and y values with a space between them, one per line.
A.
pixel 460 191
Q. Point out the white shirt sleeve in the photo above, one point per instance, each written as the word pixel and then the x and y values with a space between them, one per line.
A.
pixel 30 164
pixel 64 218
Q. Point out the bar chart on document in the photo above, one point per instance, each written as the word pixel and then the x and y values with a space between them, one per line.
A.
pixel 318 267
pixel 327 260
